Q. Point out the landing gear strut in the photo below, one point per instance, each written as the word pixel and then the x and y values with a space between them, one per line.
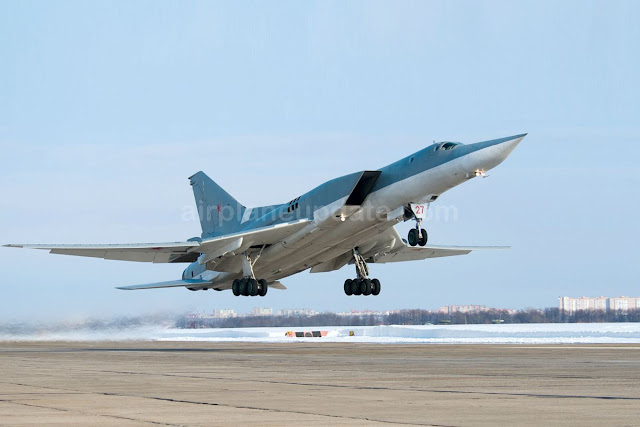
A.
pixel 418 235
pixel 248 285
pixel 361 285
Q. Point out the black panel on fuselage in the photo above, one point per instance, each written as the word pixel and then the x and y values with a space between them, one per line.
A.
pixel 363 188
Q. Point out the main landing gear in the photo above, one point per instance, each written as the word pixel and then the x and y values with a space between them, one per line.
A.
pixel 248 285
pixel 362 285
pixel 418 235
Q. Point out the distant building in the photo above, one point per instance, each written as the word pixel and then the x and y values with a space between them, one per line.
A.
pixel 469 308
pixel 569 304
pixel 366 313
pixel 262 311
pixel 296 312
pixel 224 313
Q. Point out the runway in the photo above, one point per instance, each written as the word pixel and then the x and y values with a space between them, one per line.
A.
pixel 200 383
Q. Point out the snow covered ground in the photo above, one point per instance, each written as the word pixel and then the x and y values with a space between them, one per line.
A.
pixel 429 334
pixel 450 334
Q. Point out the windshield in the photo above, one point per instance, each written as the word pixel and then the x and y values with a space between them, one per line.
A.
pixel 448 145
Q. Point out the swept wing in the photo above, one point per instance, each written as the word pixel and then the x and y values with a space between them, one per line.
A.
pixel 400 251
pixel 175 252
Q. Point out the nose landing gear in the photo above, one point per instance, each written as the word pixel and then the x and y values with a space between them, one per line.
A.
pixel 418 235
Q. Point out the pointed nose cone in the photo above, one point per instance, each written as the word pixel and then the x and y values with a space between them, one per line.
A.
pixel 503 149
pixel 489 154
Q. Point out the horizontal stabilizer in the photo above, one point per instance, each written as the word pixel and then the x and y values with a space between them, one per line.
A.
pixel 170 284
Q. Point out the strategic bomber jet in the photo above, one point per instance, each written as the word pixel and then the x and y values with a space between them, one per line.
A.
pixel 348 220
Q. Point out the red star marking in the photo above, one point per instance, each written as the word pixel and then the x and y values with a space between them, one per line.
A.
pixel 219 208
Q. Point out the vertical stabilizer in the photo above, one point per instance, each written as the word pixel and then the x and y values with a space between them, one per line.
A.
pixel 219 212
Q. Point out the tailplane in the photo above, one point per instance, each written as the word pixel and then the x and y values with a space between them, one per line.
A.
pixel 219 212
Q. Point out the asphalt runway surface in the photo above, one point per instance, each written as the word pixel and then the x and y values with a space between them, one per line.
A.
pixel 302 383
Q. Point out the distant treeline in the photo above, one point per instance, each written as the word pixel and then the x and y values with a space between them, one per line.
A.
pixel 415 317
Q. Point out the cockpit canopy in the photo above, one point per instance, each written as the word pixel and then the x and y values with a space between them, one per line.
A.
pixel 446 145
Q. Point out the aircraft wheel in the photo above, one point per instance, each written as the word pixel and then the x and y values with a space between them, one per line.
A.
pixel 242 287
pixel 355 287
pixel 365 286
pixel 348 287
pixel 375 285
pixel 412 238
pixel 236 287
pixel 264 287
pixel 252 287
pixel 423 237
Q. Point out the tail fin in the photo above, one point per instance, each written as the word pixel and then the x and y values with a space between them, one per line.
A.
pixel 219 212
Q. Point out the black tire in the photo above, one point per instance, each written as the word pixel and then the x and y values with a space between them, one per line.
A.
pixel 348 287
pixel 375 287
pixel 423 237
pixel 252 287
pixel 264 287
pixel 235 287
pixel 365 287
pixel 242 287
pixel 355 287
pixel 412 238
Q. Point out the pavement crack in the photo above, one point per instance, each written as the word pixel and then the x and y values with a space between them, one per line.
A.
pixel 119 417
pixel 552 396
pixel 255 408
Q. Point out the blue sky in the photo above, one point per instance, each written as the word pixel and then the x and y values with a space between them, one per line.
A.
pixel 107 107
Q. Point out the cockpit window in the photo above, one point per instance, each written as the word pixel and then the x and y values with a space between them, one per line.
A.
pixel 446 146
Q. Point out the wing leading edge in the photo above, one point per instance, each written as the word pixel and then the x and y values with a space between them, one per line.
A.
pixel 172 252
pixel 397 250
pixel 169 284
pixel 388 246
pixel 140 252
pixel 410 253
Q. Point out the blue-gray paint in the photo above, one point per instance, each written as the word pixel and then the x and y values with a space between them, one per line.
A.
pixel 221 214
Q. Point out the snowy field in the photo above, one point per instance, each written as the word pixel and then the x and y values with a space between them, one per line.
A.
pixel 428 334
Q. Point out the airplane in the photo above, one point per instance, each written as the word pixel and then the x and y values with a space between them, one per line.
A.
pixel 347 220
